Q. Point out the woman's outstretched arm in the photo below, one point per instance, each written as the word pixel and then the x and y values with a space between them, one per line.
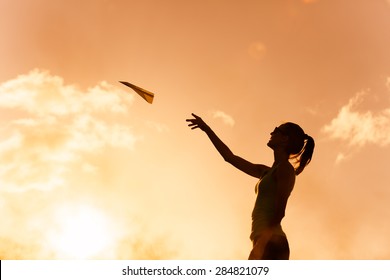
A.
pixel 255 170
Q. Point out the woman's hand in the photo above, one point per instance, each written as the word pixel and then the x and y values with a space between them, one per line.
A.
pixel 197 122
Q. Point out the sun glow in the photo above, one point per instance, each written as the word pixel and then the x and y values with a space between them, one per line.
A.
pixel 81 232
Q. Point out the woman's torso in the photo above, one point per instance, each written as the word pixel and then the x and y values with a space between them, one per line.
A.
pixel 265 208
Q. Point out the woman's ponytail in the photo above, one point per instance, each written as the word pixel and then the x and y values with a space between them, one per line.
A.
pixel 306 153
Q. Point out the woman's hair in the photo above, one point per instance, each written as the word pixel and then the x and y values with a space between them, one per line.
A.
pixel 300 145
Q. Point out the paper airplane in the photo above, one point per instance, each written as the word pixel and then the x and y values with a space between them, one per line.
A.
pixel 147 95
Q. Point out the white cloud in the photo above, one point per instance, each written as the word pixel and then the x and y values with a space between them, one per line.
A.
pixel 50 125
pixel 360 128
pixel 257 50
pixel 159 127
pixel 40 93
pixel 340 157
pixel 312 111
pixel 227 119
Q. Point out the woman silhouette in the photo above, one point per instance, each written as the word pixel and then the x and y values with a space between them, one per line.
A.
pixel 288 142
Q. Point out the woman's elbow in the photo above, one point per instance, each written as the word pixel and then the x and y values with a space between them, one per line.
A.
pixel 229 157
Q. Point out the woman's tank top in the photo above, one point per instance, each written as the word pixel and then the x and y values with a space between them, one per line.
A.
pixel 265 208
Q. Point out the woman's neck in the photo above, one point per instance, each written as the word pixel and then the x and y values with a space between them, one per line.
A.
pixel 280 156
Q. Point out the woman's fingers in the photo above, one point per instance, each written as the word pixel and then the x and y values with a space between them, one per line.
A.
pixel 196 123
pixel 192 123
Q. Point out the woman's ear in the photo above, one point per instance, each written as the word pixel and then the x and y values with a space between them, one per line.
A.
pixel 284 138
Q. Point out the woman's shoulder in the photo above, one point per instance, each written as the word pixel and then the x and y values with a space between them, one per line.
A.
pixel 262 170
pixel 285 170
pixel 286 166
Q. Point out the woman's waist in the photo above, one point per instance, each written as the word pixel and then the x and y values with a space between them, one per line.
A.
pixel 261 226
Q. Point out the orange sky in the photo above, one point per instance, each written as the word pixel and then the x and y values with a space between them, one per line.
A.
pixel 88 169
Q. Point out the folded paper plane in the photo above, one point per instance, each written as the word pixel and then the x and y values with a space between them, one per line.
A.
pixel 147 95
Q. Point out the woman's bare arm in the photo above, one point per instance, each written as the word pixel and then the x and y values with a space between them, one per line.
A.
pixel 255 170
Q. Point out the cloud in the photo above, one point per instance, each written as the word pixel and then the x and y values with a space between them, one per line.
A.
pixel 159 127
pixel 257 50
pixel 357 128
pixel 340 157
pixel 40 93
pixel 65 157
pixel 48 125
pixel 228 120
